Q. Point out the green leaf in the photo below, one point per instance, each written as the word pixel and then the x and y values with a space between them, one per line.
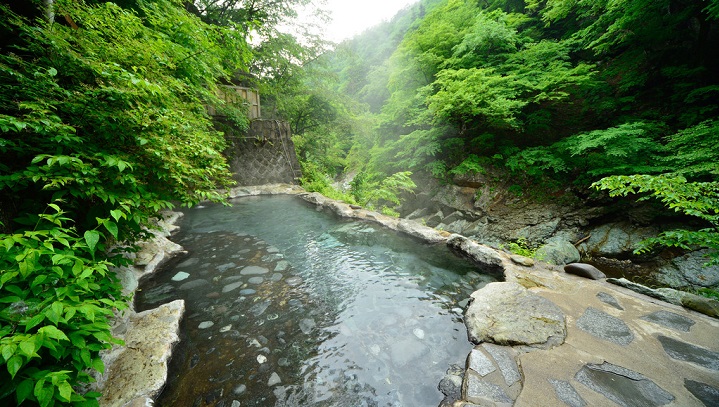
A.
pixel 53 332
pixel 27 348
pixel 112 228
pixel 34 321
pixel 24 389
pixel 65 391
pixel 8 350
pixel 98 365
pixel 91 238
pixel 14 365
pixel 117 214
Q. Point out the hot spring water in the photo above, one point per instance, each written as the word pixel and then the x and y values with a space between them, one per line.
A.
pixel 288 305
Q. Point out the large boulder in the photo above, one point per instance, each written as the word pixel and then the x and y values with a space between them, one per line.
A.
pixel 558 252
pixel 690 271
pixel 509 314
pixel 615 239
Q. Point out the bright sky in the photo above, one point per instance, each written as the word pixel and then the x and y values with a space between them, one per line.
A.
pixel 351 17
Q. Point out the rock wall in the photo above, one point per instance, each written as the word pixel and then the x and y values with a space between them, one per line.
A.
pixel 265 155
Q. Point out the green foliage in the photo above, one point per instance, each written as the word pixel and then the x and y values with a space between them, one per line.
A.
pixel 57 295
pixel 102 124
pixel 697 199
pixel 520 247
pixel 383 193
pixel 314 179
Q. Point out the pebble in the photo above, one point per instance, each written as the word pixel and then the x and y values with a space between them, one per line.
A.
pixel 418 333
pixel 239 389
pixel 226 328
pixel 274 379
pixel 255 280
pixel 261 359
pixel 247 291
pixel 235 403
pixel 180 276
pixel 205 324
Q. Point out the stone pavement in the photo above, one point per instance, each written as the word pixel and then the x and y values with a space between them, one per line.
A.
pixel 618 347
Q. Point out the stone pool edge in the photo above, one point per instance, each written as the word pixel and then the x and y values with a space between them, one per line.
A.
pixel 136 372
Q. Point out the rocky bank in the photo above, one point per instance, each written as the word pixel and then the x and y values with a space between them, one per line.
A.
pixel 544 337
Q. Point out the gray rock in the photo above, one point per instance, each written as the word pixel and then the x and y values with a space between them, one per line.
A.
pixel 622 386
pixel 480 363
pixel 558 252
pixel 418 230
pixel 566 392
pixel 235 403
pixel 247 291
pixel 615 239
pixel 274 379
pixel 306 325
pixel 434 220
pixel 282 265
pixel 180 276
pixel 509 314
pixel 486 257
pixel 609 300
pixel 670 320
pixel 604 326
pixel 293 281
pixel 254 270
pixel 689 270
pixel 205 324
pixel 707 394
pixel 479 391
pixel 690 353
pixel 584 270
pixel 505 361
pixel 231 287
pixel 260 308
pixel 451 386
pixel 194 284
pixel 224 267
pixel 521 260
pixel 255 280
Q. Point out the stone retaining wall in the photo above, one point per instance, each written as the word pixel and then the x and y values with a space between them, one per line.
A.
pixel 265 155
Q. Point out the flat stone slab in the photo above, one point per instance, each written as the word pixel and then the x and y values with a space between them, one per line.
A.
pixel 567 393
pixel 670 320
pixel 479 391
pixel 687 352
pixel 505 361
pixel 509 314
pixel 622 386
pixel 584 270
pixel 609 300
pixel 604 326
pixel 480 363
pixel 708 395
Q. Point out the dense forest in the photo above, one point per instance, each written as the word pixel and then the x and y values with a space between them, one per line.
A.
pixel 557 96
pixel 103 123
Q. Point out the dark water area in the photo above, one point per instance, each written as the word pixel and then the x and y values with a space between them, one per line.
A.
pixel 289 305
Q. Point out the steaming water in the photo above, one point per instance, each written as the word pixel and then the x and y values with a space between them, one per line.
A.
pixel 288 305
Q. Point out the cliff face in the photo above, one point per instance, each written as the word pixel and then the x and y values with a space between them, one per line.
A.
pixel 265 155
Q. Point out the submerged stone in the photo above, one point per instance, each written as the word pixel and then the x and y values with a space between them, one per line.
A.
pixel 509 314
pixel 690 353
pixel 622 386
pixel 205 324
pixel 306 325
pixel 190 285
pixel 180 276
pixel 254 270
pixel 604 326
pixel 274 379
pixel 670 320
pixel 233 286
pixel 255 280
